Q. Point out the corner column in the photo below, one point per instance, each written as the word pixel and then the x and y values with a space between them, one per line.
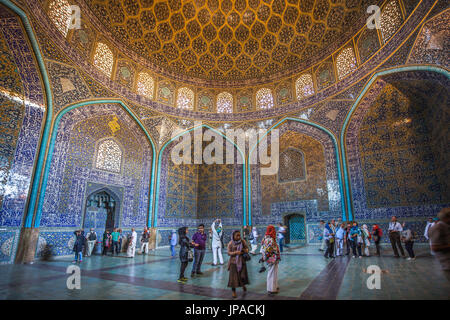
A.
pixel 26 248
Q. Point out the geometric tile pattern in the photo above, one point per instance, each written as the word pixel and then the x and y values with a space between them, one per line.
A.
pixel 396 153
pixel 417 104
pixel 312 186
pixel 21 117
pixel 431 45
pixel 221 41
pixel 72 166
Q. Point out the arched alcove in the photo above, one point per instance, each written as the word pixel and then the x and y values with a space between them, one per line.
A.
pixel 395 147
pixel 102 208
pixel 197 191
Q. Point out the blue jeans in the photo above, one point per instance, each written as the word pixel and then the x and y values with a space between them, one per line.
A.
pixel 172 249
pixel 198 259
pixel 80 255
pixel 281 244
pixel 115 247
pixel 356 246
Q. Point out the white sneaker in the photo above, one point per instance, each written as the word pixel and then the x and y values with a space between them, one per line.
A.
pixel 354 257
pixel 360 257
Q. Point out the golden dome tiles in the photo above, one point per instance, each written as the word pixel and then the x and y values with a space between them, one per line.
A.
pixel 161 31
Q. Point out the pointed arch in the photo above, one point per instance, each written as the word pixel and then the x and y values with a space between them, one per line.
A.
pixel 391 20
pixel 343 134
pixel 225 102
pixel 158 175
pixel 337 155
pixel 345 62
pixel 185 99
pixel 108 155
pixel 264 99
pixel 51 145
pixel 104 58
pixel 145 85
pixel 41 151
pixel 304 86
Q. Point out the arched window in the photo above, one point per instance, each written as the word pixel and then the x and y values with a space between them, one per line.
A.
pixel 345 62
pixel 104 58
pixel 185 98
pixel 264 99
pixel 291 166
pixel 391 20
pixel 109 156
pixel 60 12
pixel 304 86
pixel 225 102
pixel 145 85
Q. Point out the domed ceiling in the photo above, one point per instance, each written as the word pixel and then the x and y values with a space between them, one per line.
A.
pixel 231 40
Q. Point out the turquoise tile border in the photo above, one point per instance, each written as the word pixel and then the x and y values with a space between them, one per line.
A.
pixel 354 107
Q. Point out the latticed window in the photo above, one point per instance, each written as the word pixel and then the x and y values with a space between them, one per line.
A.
pixel 145 85
pixel 60 12
pixel 304 86
pixel 104 58
pixel 391 20
pixel 225 102
pixel 264 99
pixel 185 98
pixel 345 62
pixel 109 156
pixel 292 166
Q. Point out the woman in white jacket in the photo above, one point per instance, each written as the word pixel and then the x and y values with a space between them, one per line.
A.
pixel 217 231
pixel 254 240
pixel 132 244
pixel 366 240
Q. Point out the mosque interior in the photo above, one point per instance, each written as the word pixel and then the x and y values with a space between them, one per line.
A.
pixel 97 96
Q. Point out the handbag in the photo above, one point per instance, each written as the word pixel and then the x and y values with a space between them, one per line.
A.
pixel 190 256
pixel 246 257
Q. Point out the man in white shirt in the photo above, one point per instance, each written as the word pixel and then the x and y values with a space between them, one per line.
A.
pixel 132 244
pixel 281 232
pixel 395 228
pixel 340 234
pixel 426 233
pixel 216 244
pixel 91 237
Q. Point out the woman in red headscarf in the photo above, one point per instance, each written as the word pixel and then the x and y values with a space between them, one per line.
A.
pixel 376 235
pixel 271 255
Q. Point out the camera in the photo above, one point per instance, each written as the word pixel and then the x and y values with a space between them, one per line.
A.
pixel 263 268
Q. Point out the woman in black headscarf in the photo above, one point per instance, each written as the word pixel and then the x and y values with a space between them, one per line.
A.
pixel 184 252
pixel 236 264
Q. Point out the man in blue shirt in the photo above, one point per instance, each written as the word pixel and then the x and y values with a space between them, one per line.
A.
pixel 328 235
pixel 199 242
pixel 280 236
pixel 340 235
pixel 115 241
pixel 173 242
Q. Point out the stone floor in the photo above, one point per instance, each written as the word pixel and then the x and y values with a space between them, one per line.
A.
pixel 304 274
